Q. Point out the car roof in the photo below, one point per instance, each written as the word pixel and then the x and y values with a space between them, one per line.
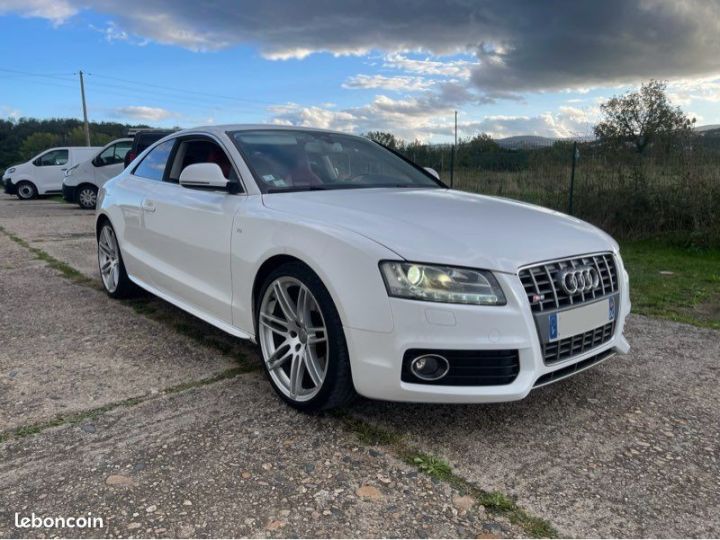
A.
pixel 220 129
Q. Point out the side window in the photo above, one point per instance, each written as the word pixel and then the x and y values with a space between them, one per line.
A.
pixel 54 157
pixel 121 150
pixel 153 165
pixel 201 151
pixel 113 154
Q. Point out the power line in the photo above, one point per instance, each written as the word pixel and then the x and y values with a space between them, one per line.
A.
pixel 59 76
pixel 183 91
pixel 138 92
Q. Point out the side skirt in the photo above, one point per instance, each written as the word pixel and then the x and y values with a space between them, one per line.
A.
pixel 222 325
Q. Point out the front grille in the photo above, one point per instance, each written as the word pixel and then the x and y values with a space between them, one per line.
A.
pixel 562 373
pixel 557 351
pixel 544 292
pixel 469 368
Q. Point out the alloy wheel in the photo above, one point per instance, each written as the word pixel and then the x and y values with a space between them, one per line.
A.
pixel 293 338
pixel 87 197
pixel 109 258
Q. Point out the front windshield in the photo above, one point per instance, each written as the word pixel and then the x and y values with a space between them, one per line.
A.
pixel 296 160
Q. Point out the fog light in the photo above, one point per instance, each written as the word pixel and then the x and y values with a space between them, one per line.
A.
pixel 429 367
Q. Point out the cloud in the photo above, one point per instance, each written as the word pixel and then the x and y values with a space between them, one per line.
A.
pixel 412 119
pixel 515 47
pixel 427 66
pixel 56 11
pixel 396 83
pixel 141 112
pixel 11 113
pixel 684 92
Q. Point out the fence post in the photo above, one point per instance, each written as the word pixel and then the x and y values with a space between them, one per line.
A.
pixel 452 166
pixel 572 178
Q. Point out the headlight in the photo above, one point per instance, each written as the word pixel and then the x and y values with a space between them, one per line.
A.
pixel 10 170
pixel 69 171
pixel 441 284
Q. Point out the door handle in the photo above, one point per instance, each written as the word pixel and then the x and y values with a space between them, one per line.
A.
pixel 148 205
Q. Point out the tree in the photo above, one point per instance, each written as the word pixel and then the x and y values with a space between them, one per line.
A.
pixel 37 142
pixel 76 137
pixel 386 139
pixel 642 117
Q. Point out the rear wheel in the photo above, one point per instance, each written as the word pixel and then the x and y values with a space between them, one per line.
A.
pixel 112 269
pixel 87 196
pixel 302 340
pixel 26 191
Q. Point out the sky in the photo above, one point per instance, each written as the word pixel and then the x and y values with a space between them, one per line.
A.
pixel 521 67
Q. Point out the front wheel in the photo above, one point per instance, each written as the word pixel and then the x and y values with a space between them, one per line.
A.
pixel 26 191
pixel 302 340
pixel 112 269
pixel 87 197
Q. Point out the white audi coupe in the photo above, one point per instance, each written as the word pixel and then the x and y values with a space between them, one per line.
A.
pixel 358 272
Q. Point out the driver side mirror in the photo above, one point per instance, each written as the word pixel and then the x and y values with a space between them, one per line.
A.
pixel 207 175
pixel 432 172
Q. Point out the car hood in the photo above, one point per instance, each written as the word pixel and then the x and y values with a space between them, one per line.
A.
pixel 449 227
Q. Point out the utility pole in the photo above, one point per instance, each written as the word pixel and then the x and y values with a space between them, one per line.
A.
pixel 452 156
pixel 85 120
pixel 572 178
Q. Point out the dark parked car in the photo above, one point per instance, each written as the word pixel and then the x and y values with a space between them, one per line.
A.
pixel 142 140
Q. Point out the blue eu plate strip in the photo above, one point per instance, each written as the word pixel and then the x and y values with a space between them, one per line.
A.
pixel 553 326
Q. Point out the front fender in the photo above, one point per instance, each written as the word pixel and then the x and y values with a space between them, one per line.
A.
pixel 345 261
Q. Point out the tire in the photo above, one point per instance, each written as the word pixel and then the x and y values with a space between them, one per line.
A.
pixel 116 282
pixel 87 196
pixel 308 367
pixel 26 191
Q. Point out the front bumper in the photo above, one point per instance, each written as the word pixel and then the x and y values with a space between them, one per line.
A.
pixel 69 192
pixel 377 357
pixel 9 187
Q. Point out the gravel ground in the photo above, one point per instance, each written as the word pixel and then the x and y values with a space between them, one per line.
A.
pixel 630 448
pixel 227 460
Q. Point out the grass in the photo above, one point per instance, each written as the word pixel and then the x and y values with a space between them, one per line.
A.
pixel 680 284
pixel 440 470
pixel 65 269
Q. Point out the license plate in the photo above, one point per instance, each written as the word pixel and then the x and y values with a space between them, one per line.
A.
pixel 575 321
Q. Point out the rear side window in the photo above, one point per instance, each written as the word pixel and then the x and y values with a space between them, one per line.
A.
pixel 153 165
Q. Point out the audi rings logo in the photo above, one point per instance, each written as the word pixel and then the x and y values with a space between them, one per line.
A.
pixel 581 279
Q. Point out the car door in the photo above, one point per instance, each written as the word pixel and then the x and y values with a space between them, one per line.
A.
pixel 110 162
pixel 189 230
pixel 132 190
pixel 49 170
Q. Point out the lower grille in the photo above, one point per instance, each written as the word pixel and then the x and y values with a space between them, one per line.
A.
pixel 468 368
pixel 574 368
pixel 557 351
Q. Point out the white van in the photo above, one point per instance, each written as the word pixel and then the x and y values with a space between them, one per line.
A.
pixel 43 174
pixel 82 181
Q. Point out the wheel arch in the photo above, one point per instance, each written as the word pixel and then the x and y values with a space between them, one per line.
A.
pixel 28 180
pixel 266 268
pixel 87 183
pixel 101 220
